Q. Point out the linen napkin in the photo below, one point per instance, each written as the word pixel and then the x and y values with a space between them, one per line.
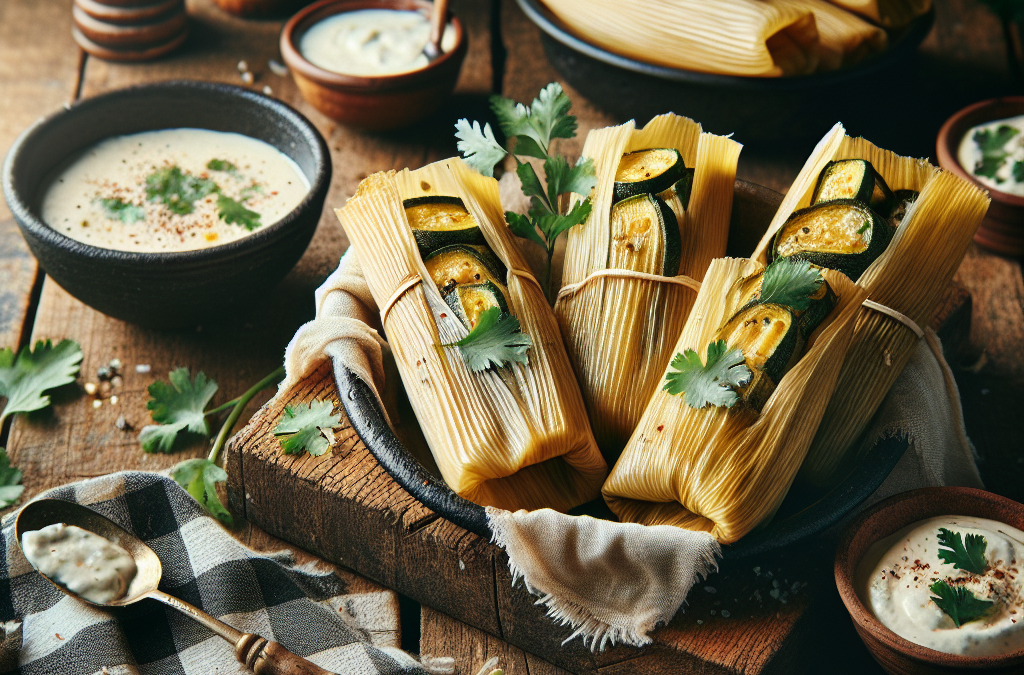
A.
pixel 614 582
pixel 46 632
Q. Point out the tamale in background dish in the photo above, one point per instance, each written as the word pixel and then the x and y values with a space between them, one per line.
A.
pixel 517 437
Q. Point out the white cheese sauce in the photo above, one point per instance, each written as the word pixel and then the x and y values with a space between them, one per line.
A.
pixel 156 191
pixel 371 42
pixel 83 562
pixel 894 578
pixel 993 153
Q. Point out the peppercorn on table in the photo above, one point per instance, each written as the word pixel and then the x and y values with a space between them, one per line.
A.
pixel 765 617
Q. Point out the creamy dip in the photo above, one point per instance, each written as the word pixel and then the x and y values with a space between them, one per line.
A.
pixel 994 154
pixel 897 576
pixel 371 42
pixel 172 190
pixel 85 563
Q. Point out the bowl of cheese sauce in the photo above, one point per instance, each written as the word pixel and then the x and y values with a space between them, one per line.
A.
pixel 361 62
pixel 166 204
pixel 934 581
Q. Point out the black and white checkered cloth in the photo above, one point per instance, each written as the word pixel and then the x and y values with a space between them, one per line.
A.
pixel 49 633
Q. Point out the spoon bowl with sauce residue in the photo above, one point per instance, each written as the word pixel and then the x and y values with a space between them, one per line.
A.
pixel 263 656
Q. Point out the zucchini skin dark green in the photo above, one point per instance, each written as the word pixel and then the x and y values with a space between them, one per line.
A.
pixel 682 189
pixel 872 190
pixel 821 305
pixel 624 190
pixel 784 356
pixel 485 256
pixel 672 239
pixel 429 241
pixel 454 299
pixel 850 264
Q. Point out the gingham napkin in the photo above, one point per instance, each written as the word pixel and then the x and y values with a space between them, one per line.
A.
pixel 48 633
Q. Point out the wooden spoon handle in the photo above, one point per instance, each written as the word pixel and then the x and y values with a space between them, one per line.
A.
pixel 438 20
pixel 265 657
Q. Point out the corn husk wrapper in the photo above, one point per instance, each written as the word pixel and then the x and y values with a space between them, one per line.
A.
pixel 515 437
pixel 888 13
pixel 845 39
pixel 911 277
pixel 730 37
pixel 727 470
pixel 620 333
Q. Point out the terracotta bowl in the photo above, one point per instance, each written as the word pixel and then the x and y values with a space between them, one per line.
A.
pixel 374 103
pixel 1003 228
pixel 897 655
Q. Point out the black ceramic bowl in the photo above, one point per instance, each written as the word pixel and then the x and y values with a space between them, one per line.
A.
pixel 179 289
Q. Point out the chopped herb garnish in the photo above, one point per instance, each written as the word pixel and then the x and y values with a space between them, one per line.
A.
pixel 993 150
pixel 1018 171
pixel 958 603
pixel 26 376
pixel 307 428
pixel 221 165
pixel 119 209
pixel 495 340
pixel 967 553
pixel 865 227
pixel 713 383
pixel 234 212
pixel 790 283
pixel 178 190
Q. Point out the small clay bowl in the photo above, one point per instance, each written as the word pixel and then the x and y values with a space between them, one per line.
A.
pixel 374 103
pixel 167 289
pixel 897 655
pixel 1003 228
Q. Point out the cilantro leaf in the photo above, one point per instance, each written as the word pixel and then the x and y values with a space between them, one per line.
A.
pixel 988 165
pixel 178 190
pixel 1018 171
pixel 790 283
pixel 480 149
pixel 221 165
pixel 495 340
pixel 534 127
pixel 200 477
pixel 967 553
pixel 10 482
pixel 177 406
pixel 521 226
pixel 552 225
pixel 958 603
pixel 514 122
pixel 993 151
pixel 119 209
pixel 531 183
pixel 24 378
pixel 234 212
pixel 562 178
pixel 712 384
pixel 304 427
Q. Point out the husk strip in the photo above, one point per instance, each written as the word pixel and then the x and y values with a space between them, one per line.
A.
pixel 726 470
pixel 845 38
pixel 620 332
pixel 513 438
pixel 888 13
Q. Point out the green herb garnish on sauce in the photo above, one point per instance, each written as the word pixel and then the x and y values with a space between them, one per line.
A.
pixel 234 212
pixel 993 150
pixel 178 190
pixel 958 603
pixel 119 209
pixel 966 553
pixel 221 165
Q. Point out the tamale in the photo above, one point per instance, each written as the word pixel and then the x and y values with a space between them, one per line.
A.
pixel 727 470
pixel 844 38
pixel 514 437
pixel 888 13
pixel 731 37
pixel 620 331
pixel 910 277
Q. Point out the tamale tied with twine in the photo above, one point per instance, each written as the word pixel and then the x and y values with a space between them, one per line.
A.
pixel 514 437
pixel 620 317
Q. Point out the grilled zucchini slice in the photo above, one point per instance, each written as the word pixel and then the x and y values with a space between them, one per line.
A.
pixel 843 235
pixel 645 236
pixel 821 305
pixel 854 179
pixel 647 172
pixel 469 301
pixel 772 342
pixel 678 196
pixel 459 264
pixel 439 221
pixel 904 198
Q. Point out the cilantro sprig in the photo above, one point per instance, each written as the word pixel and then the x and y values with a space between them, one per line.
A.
pixel 958 603
pixel 495 340
pixel 964 553
pixel 307 428
pixel 10 482
pixel 712 383
pixel 119 209
pixel 234 212
pixel 178 190
pixel 790 283
pixel 530 131
pixel 25 377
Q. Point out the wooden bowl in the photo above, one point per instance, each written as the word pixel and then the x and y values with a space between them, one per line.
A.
pixel 374 103
pixel 154 31
pixel 898 655
pixel 126 14
pixel 1003 228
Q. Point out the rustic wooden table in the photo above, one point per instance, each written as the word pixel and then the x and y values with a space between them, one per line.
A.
pixel 41 68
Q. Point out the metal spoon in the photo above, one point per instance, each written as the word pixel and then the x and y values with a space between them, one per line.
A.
pixel 263 656
pixel 438 19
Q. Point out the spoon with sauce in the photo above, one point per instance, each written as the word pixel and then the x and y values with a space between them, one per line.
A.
pixel 438 19
pixel 263 656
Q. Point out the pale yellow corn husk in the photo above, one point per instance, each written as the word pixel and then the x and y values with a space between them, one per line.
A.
pixel 845 39
pixel 727 470
pixel 515 438
pixel 731 37
pixel 620 333
pixel 911 276
pixel 888 13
